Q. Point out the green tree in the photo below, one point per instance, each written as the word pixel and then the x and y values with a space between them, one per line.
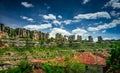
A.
pixel 114 60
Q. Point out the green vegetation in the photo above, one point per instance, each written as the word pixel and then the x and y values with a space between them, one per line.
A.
pixel 70 68
pixel 114 60
pixel 44 52
pixel 37 53
pixel 75 68
pixel 24 67
pixel 70 65
pixel 52 69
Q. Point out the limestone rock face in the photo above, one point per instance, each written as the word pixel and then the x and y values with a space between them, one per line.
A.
pixel 20 36
pixel 58 36
pixel 2 27
pixel 2 35
pixel 100 39
pixel 35 35
pixel 90 38
pixel 22 33
pixel 71 38
pixel 79 37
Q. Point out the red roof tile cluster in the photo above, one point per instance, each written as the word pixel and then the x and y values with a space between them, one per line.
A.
pixel 84 57
pixel 102 54
pixel 90 59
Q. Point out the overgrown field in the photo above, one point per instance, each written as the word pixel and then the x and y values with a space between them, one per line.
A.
pixel 70 65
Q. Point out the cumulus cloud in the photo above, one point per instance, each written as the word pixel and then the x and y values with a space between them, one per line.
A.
pixel 85 1
pixel 93 15
pixel 76 31
pixel 115 14
pixel 53 18
pixel 38 27
pixel 98 23
pixel 107 38
pixel 114 23
pixel 79 31
pixel 27 18
pixel 103 31
pixel 67 21
pixel 56 22
pixel 113 3
pixel 49 17
pixel 59 16
pixel 58 30
pixel 26 4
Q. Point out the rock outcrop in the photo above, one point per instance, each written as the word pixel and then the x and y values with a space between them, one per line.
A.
pixel 8 32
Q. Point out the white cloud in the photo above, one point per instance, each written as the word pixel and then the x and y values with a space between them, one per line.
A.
pixel 30 19
pixel 75 21
pixel 26 4
pixel 59 16
pixel 24 17
pixel 106 38
pixel 61 26
pixel 114 23
pixel 113 3
pixel 115 14
pixel 76 31
pixel 56 22
pixel 79 31
pixel 67 21
pixel 94 32
pixel 58 30
pixel 27 18
pixel 93 15
pixel 98 23
pixel 38 27
pixel 49 17
pixel 85 1
pixel 103 31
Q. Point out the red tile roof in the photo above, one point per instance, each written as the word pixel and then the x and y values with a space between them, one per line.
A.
pixel 90 59
pixel 85 58
pixel 102 54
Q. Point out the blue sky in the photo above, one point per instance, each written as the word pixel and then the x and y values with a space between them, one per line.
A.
pixel 68 17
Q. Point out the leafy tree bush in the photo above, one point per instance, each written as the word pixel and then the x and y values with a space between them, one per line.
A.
pixel 52 69
pixel 75 68
pixel 73 65
pixel 25 67
pixel 114 60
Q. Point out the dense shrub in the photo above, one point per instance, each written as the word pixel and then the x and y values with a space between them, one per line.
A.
pixel 52 69
pixel 114 60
